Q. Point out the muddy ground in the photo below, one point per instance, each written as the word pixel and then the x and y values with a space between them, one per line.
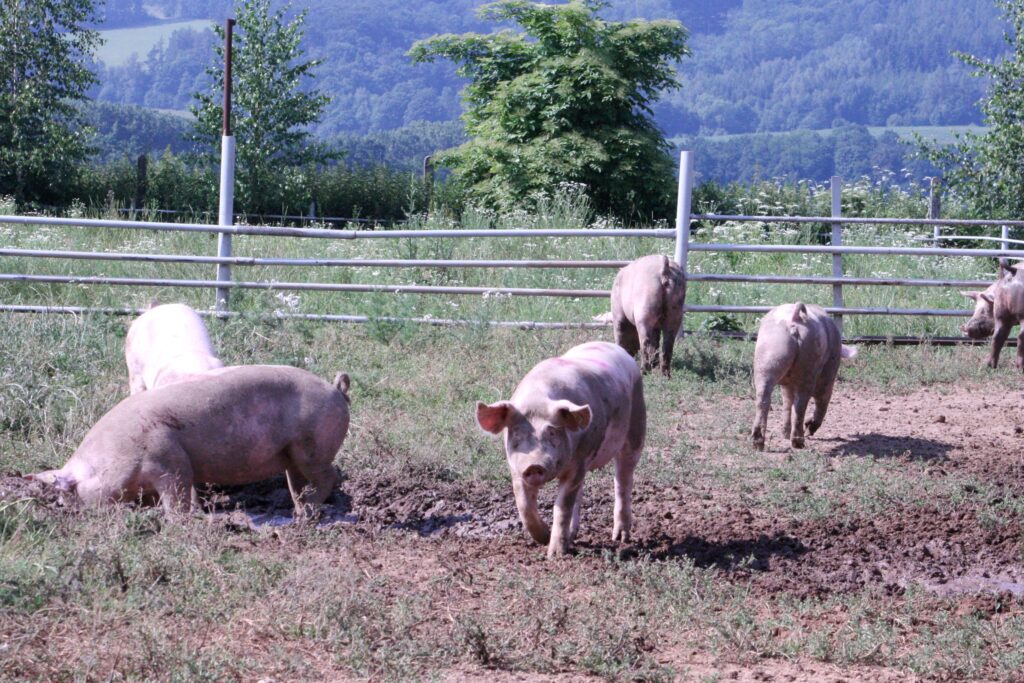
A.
pixel 949 550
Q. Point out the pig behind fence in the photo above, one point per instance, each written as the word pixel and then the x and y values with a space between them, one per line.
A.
pixel 234 425
pixel 996 310
pixel 165 345
pixel 571 414
pixel 647 306
pixel 799 348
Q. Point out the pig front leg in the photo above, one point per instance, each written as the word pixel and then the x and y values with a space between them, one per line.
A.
pixel 622 522
pixel 1001 334
pixel 561 524
pixel 1019 361
pixel 526 503
pixel 574 527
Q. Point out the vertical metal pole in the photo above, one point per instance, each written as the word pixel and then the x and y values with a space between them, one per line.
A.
pixel 837 241
pixel 1004 234
pixel 935 210
pixel 227 179
pixel 683 211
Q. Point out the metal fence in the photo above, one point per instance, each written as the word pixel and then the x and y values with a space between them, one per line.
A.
pixel 224 282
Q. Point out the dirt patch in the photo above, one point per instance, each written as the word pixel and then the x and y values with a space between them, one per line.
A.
pixel 947 549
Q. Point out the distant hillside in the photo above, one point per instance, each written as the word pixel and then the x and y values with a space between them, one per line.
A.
pixel 757 65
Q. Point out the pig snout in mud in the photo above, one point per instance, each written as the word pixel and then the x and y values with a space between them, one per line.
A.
pixel 234 425
pixel 647 309
pixel 798 348
pixel 571 414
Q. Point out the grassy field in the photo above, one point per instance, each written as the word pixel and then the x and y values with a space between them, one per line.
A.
pixel 889 550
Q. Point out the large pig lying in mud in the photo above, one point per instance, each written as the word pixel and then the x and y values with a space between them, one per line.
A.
pixel 647 306
pixel 568 415
pixel 165 345
pixel 233 425
pixel 997 310
pixel 798 347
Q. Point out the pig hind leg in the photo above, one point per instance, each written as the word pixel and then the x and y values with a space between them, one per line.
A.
pixel 668 341
pixel 650 338
pixel 1019 361
pixel 801 398
pixel 310 482
pixel 764 385
pixel 625 464
pixel 626 336
pixel 822 396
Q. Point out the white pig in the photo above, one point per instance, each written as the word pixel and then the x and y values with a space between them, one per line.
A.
pixel 165 345
pixel 571 414
pixel 232 425
pixel 647 307
pixel 798 347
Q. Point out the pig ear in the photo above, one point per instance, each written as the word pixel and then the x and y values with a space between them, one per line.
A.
pixel 987 297
pixel 571 416
pixel 494 417
pixel 971 295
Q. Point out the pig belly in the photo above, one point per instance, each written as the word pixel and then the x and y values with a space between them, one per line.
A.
pixel 244 466
pixel 614 439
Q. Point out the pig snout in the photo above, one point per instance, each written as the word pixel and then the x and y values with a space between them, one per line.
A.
pixel 535 475
pixel 979 328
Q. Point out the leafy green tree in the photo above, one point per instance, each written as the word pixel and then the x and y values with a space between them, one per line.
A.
pixel 988 169
pixel 271 111
pixel 568 99
pixel 44 50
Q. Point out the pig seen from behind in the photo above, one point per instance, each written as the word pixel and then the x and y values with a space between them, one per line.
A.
pixel 647 307
pixel 996 310
pixel 234 425
pixel 570 414
pixel 165 345
pixel 798 347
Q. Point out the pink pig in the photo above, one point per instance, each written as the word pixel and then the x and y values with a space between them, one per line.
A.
pixel 165 345
pixel 571 414
pixel 232 425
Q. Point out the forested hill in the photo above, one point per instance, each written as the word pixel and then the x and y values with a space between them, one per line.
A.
pixel 757 65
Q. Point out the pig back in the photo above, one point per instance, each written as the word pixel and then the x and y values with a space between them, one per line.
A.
pixel 236 424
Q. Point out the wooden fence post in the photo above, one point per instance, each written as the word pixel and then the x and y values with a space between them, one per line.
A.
pixel 837 241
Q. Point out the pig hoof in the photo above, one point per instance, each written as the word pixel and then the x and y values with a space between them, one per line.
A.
pixel 758 444
pixel 811 427
pixel 798 442
pixel 556 552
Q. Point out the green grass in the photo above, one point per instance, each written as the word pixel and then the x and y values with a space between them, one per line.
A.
pixel 121 43
pixel 939 134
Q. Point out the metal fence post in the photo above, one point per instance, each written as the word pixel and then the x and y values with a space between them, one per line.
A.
pixel 935 209
pixel 837 241
pixel 1004 234
pixel 227 180
pixel 683 206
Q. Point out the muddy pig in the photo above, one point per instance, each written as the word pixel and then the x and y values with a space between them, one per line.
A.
pixel 647 306
pixel 232 425
pixel 996 311
pixel 568 415
pixel 798 347
pixel 165 345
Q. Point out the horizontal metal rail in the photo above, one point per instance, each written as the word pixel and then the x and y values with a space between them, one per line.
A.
pixel 303 286
pixel 845 310
pixel 847 220
pixel 979 238
pixel 271 231
pixel 265 261
pixel 517 324
pixel 815 280
pixel 824 249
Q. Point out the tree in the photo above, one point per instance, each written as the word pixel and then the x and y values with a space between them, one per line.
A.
pixel 988 169
pixel 44 50
pixel 270 110
pixel 568 99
